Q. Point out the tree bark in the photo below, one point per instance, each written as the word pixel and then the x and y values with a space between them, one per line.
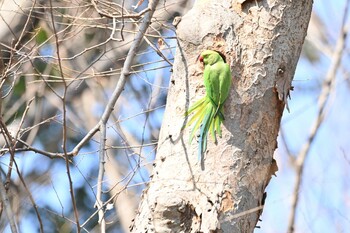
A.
pixel 262 41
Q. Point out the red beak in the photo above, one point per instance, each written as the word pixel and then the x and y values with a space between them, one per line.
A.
pixel 200 58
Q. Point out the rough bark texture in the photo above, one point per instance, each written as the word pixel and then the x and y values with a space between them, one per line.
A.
pixel 262 41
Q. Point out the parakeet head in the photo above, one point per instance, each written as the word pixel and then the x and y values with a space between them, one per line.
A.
pixel 211 57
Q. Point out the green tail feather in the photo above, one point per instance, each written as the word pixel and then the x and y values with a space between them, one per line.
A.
pixel 196 105
pixel 207 117
pixel 197 125
pixel 203 133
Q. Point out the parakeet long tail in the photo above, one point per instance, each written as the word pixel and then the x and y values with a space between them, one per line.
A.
pixel 208 118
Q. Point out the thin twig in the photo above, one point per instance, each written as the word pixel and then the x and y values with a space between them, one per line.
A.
pixel 327 88
pixel 133 146
pixel 128 179
pixel 8 140
pixel 15 140
pixel 64 127
pixel 123 22
pixel 122 16
pixel 21 122
pixel 7 206
pixel 157 50
pixel 30 197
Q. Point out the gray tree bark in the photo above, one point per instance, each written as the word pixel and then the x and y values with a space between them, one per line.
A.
pixel 262 41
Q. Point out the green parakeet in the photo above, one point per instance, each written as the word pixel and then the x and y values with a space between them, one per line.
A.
pixel 207 114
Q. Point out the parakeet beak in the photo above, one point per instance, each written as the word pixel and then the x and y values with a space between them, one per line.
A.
pixel 200 58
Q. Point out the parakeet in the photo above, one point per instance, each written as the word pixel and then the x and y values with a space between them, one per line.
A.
pixel 207 114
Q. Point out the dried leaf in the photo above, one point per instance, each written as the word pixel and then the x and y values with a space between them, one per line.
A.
pixel 138 4
pixel 161 44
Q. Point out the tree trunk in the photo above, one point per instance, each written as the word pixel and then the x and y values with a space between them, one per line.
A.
pixel 262 41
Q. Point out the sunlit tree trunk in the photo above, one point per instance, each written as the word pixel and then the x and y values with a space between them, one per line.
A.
pixel 262 41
